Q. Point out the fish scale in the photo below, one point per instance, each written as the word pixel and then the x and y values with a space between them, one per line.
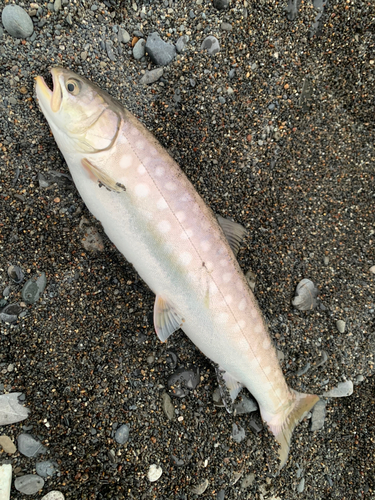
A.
pixel 186 255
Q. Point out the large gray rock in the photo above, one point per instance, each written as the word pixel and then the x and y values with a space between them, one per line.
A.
pixel 211 45
pixel 29 446
pixel 29 484
pixel 160 52
pixel 17 21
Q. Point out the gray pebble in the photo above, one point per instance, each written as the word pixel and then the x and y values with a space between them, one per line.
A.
pixel 47 468
pixel 109 49
pixel 238 433
pixel 151 76
pixel 11 411
pixel 326 261
pixel 342 390
pixel 303 370
pixel 123 36
pixel 220 495
pixel 122 434
pixel 34 288
pixel 160 52
pixel 245 406
pixel 232 73
pixel 341 325
pixel 221 4
pixel 17 21
pixel 69 19
pixel 211 45
pixel 372 269
pixel 306 295
pixel 201 488
pixel 29 446
pixel 181 43
pixel 15 274
pixel 301 485
pixel 226 26
pixel 139 49
pixel 318 415
pixel 57 5
pixel 247 480
pixel 29 484
pixel 168 406
pixel 359 379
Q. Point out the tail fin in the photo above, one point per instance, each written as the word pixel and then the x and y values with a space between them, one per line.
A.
pixel 301 405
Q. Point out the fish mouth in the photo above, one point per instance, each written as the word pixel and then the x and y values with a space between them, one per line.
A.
pixel 46 96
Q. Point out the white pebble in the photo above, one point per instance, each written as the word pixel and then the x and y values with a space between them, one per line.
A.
pixel 154 472
pixel 54 495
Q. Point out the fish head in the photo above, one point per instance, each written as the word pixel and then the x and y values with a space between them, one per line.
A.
pixel 81 115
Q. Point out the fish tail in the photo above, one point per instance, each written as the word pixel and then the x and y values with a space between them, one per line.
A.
pixel 283 424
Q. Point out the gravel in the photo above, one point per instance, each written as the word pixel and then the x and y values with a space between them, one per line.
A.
pixel 298 177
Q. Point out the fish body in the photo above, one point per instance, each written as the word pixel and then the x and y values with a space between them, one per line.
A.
pixel 158 221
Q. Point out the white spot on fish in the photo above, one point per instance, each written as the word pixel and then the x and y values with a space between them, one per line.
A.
pixel 266 343
pixel 159 171
pixel 267 370
pixel 162 204
pixel 224 262
pixel 171 186
pixel 205 245
pixel 181 216
pixel 242 305
pixel 223 317
pixel 126 161
pixel 227 277
pixel 228 299
pixel 209 266
pixel 140 144
pixel 186 197
pixel 164 226
pixel 141 169
pixel 185 258
pixel 242 323
pixel 185 235
pixel 142 190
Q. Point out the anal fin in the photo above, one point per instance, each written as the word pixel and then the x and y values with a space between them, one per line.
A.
pixel 166 318
pixel 233 231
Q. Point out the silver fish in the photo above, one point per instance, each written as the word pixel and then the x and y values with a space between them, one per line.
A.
pixel 186 255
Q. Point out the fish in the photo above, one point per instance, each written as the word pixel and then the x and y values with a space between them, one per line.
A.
pixel 184 252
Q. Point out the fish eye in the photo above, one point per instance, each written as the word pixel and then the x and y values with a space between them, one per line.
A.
pixel 72 86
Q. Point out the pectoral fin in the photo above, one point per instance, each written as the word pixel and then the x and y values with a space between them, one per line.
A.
pixel 166 318
pixel 233 231
pixel 103 179
pixel 229 388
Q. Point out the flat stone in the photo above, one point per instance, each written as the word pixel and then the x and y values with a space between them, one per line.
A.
pixel 160 52
pixel 7 445
pixel 29 446
pixel 341 325
pixel 151 76
pixel 47 468
pixel 238 433
pixel 139 49
pixel 53 495
pixel 17 21
pixel 168 406
pixel 11 411
pixel 342 390
pixel 123 36
pixel 211 45
pixel 29 484
pixel 181 43
pixel 5 481
pixel 154 472
pixel 318 415
pixel 122 434
pixel 33 289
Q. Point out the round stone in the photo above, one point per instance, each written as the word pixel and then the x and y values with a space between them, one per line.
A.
pixel 17 21
pixel 29 484
pixel 154 472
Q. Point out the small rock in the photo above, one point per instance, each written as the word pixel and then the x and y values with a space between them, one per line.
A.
pixel 17 21
pixel 221 4
pixel 247 481
pixel 15 274
pixel 318 415
pixel 301 485
pixel 122 434
pixel 34 288
pixel 326 261
pixel 29 484
pixel 251 279
pixel 342 390
pixel 123 36
pixel 341 325
pixel 220 495
pixel 47 468
pixel 139 49
pixel 182 381
pixel 29 446
pixel 57 5
pixel 109 49
pixel 92 241
pixel 154 473
pixel 181 43
pixel 160 52
pixel 54 495
pixel 7 445
pixel 201 488
pixel 238 433
pixel 304 370
pixel 168 406
pixel 306 295
pixel 151 76
pixel 245 406
pixel 211 45
pixel 359 379
pixel 5 480
pixel 372 269
pixel 11 411
pixel 226 26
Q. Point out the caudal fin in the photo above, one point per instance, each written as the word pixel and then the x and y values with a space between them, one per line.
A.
pixel 301 405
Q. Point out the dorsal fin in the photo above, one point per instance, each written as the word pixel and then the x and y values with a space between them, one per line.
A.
pixel 166 318
pixel 233 231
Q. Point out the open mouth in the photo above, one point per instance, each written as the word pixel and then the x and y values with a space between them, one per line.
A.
pixel 46 95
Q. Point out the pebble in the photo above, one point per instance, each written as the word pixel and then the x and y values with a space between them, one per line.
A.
pixel 139 49
pixel 201 488
pixel 226 26
pixel 17 21
pixel 341 325
pixel 326 261
pixel 7 445
pixel 251 279
pixel 238 433
pixel 301 485
pixel 306 295
pixel 29 484
pixel 123 36
pixel 168 406
pixel 246 405
pixel 342 390
pixel 15 274
pixel 220 495
pixel 247 480
pixel 53 495
pixel 151 76
pixel 372 269
pixel 34 288
pixel 211 45
pixel 221 4
pixel 47 468
pixel 92 241
pixel 160 52
pixel 318 415
pixel 154 473
pixel 29 446
pixel 182 381
pixel 181 43
pixel 11 411
pixel 304 370
pixel 57 5
pixel 109 49
pixel 122 434
pixel 5 481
